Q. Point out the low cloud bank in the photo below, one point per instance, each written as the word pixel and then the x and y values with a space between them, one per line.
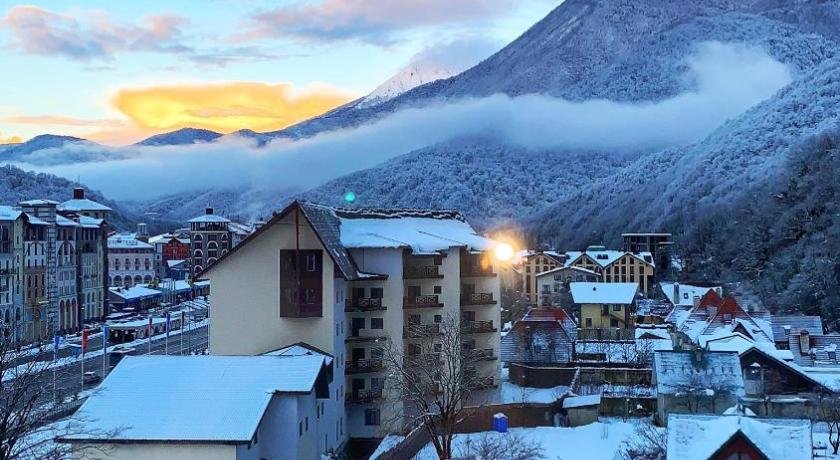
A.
pixel 726 80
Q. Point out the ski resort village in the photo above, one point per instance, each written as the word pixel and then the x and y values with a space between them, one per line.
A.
pixel 420 230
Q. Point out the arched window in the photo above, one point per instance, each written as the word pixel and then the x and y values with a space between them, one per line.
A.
pixel 138 279
pixel 127 281
pixel 116 264
pixel 147 279
pixel 212 245
pixel 198 254
pixel 117 281
pixel 197 269
pixel 211 261
pixel 197 237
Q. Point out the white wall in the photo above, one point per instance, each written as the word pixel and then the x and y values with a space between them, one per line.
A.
pixel 158 451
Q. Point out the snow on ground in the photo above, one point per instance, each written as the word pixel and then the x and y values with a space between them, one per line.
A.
pixel 513 393
pixel 596 441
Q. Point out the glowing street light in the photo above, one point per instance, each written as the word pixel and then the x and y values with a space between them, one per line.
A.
pixel 503 252
pixel 350 197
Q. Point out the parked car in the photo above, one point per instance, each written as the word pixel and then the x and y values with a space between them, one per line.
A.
pixel 91 377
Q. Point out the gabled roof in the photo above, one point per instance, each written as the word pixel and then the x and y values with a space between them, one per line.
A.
pixel 711 298
pixel 687 292
pixel 782 363
pixel 785 325
pixel 209 218
pixel 565 268
pixel 591 292
pixel 202 399
pixel 699 437
pixel 9 213
pixel 83 204
pixel 127 241
pixel 824 350
pixel 715 370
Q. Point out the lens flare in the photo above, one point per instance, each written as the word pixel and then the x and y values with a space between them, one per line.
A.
pixel 503 252
pixel 349 197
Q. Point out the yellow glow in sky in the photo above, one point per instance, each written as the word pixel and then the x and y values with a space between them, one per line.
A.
pixel 226 107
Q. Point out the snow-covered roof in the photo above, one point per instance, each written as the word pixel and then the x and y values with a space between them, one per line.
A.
pixel 65 222
pixel 83 204
pixel 201 398
pixel 134 292
pixel 687 292
pixel 209 218
pixel 605 257
pixel 39 202
pixel 33 220
pixel 698 437
pixel 175 262
pixel 9 213
pixel 714 370
pixel 564 268
pixel 165 238
pixel 300 349
pixel 571 402
pixel 783 326
pixel 90 222
pixel 613 293
pixel 127 241
pixel 422 231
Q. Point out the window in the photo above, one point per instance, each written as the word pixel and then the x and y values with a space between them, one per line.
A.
pixel 306 424
pixel 300 428
pixel 371 417
pixel 438 290
pixel 438 319
pixel 376 323
pixel 377 293
pixel 311 264
pixel 588 322
pixel 616 307
pixel 613 322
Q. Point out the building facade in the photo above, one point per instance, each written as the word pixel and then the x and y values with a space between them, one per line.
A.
pixel 130 260
pixel 616 266
pixel 170 250
pixel 345 281
pixel 210 238
pixel 533 264
pixel 11 271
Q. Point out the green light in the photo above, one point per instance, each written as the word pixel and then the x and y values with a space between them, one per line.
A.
pixel 349 197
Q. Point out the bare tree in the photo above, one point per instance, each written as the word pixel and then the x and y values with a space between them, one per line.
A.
pixel 698 392
pixel 31 415
pixel 433 383
pixel 502 446
pixel 648 443
pixel 829 413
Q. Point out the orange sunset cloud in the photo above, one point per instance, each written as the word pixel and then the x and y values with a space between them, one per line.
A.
pixel 226 107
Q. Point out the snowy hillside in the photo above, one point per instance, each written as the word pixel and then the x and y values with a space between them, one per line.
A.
pixel 181 137
pixel 408 78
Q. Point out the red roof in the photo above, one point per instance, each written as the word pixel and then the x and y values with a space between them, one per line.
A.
pixel 729 306
pixel 710 298
pixel 557 314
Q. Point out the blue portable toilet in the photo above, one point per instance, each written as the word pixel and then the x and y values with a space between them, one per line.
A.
pixel 500 423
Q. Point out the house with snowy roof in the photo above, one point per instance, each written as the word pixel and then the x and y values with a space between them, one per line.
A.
pixel 696 381
pixel 543 336
pixel 713 316
pixel 605 305
pixel 220 407
pixel 553 285
pixel 84 206
pixel 712 437
pixel 346 280
pixel 784 325
pixel 616 266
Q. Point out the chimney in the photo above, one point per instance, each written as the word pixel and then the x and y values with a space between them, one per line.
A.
pixel 696 301
pixel 786 327
pixel 208 210
pixel 142 232
pixel 698 355
pixel 804 342
pixel 712 311
pixel 78 193
pixel 676 293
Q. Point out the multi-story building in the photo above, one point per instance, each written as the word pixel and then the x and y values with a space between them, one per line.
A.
pixel 532 264
pixel 130 260
pixel 11 271
pixel 344 282
pixel 210 237
pixel 170 250
pixel 659 245
pixel 57 252
pixel 616 266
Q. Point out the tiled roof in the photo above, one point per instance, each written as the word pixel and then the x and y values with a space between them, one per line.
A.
pixel 823 350
pixel 715 370
pixel 785 325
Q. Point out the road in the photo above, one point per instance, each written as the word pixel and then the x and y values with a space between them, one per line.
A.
pixel 69 377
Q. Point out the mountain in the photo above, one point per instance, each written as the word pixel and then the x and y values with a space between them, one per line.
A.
pixel 17 185
pixel 259 139
pixel 181 137
pixel 43 141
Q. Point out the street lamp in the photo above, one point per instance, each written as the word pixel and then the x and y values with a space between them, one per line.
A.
pixel 503 252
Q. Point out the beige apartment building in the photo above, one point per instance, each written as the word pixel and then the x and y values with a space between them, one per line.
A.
pixel 345 281
pixel 616 266
pixel 533 263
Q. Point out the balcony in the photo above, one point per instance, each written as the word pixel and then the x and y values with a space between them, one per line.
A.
pixel 364 304
pixel 361 366
pixel 422 301
pixel 422 360
pixel 476 271
pixel 476 327
pixel 421 271
pixel 415 331
pixel 478 298
pixel 366 335
pixel 364 396
pixel 481 354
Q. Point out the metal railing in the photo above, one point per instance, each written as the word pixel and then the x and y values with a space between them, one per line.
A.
pixel 470 327
pixel 360 366
pixel 420 330
pixel 429 300
pixel 421 271
pixel 478 298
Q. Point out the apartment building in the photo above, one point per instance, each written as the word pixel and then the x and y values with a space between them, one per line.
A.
pixel 658 244
pixel 11 271
pixel 616 266
pixel 345 281
pixel 532 264
pixel 58 256
pixel 210 238
pixel 170 250
pixel 131 261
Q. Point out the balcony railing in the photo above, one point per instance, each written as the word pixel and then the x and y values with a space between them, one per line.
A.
pixel 420 330
pixel 364 304
pixel 422 271
pixel 366 335
pixel 473 327
pixel 481 354
pixel 421 301
pixel 364 396
pixel 468 271
pixel 478 298
pixel 361 366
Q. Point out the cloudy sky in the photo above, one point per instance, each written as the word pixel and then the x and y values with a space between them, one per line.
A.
pixel 117 72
